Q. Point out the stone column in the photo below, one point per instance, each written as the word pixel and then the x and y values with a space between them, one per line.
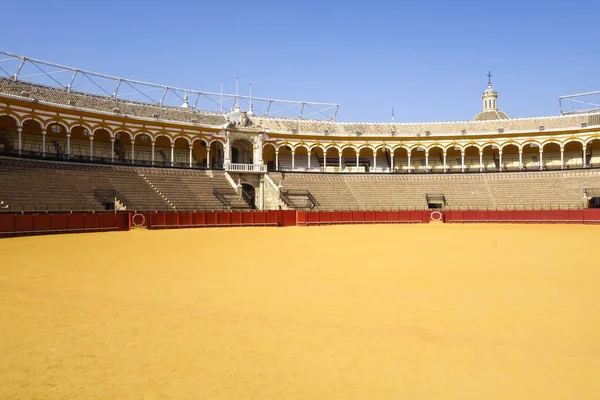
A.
pixel 541 159
pixel 426 161
pixel 277 160
pixel 112 149
pixel 340 159
pixel 152 152
pixel 357 160
pixel 500 161
pixel 409 166
pixel 562 158
pixel 172 154
pixel 583 157
pixel 480 160
pixel 68 145
pixel 445 162
pixel 207 156
pixel 374 159
pixel 43 143
pixel 324 159
pixel 132 150
pixel 20 139
pixel 190 148
pixel 462 160
pixel 392 161
pixel 293 159
pixel 309 153
pixel 520 159
pixel 91 147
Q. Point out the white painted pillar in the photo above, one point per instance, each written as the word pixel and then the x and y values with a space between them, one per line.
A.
pixel 207 156
pixel 500 161
pixel 340 159
pixel 357 160
pixel 309 153
pixel 20 139
pixel 445 162
pixel 480 160
pixel 91 147
pixel 133 151
pixel 172 153
pixel 583 157
pixel 293 159
pixel 520 159
pixel 541 159
pixel 152 152
pixel 374 159
pixel 112 149
pixel 43 143
pixel 426 161
pixel 562 158
pixel 190 158
pixel 462 160
pixel 324 159
pixel 392 161
pixel 409 167
pixel 68 145
pixel 276 160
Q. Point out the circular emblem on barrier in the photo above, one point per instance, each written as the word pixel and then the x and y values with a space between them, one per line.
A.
pixel 140 221
pixel 436 216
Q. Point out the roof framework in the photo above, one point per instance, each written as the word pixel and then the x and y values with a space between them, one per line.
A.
pixel 579 103
pixel 70 79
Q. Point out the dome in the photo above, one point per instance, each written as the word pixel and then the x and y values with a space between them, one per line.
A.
pixel 490 115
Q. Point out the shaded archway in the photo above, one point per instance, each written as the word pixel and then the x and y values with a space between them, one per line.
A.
pixel 8 134
pixel 349 159
pixel 249 195
pixel 200 153
pixel 418 159
pixel 241 151
pixel 285 157
pixel 301 158
pixel 531 156
pixel 316 157
pixel 510 157
pixel 593 153
pixel 400 159
pixel 102 145
pixel 81 145
pixel 217 154
pixel 162 152
pixel 551 158
pixel 56 140
pixel 122 147
pixel 436 159
pixel 453 158
pixel 32 138
pixel 490 157
pixel 268 156
pixel 382 160
pixel 365 158
pixel 573 155
pixel 142 151
pixel 333 158
pixel 181 152
pixel 471 158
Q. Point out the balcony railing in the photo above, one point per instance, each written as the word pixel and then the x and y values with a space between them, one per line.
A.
pixel 245 167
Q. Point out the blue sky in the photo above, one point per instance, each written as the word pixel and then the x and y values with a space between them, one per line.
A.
pixel 428 59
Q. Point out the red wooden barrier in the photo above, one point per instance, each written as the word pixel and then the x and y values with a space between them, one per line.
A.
pixel 7 223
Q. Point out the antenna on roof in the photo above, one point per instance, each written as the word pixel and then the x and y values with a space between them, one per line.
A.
pixel 250 110
pixel 236 107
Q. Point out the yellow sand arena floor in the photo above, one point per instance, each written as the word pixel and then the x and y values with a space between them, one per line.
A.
pixel 346 312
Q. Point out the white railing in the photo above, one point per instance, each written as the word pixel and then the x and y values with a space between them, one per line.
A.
pixel 245 167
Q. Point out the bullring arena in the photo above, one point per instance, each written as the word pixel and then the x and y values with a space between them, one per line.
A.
pixel 158 248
